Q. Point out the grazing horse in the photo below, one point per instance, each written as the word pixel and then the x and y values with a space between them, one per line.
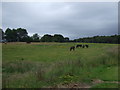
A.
pixel 83 46
pixel 72 48
pixel 86 46
pixel 78 46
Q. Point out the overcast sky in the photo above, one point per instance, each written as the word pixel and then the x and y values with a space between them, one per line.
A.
pixel 73 20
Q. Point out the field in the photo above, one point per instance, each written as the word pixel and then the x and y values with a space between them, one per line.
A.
pixel 53 65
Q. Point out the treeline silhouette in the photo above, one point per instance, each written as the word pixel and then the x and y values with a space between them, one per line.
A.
pixel 21 35
pixel 100 39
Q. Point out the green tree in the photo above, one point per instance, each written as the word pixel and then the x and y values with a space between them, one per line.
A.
pixel 35 37
pixel 100 39
pixel 66 39
pixel 21 34
pixel 58 38
pixel 15 34
pixel 9 35
pixel 27 39
pixel 1 34
pixel 47 38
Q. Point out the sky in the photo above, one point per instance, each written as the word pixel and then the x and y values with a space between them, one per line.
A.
pixel 71 19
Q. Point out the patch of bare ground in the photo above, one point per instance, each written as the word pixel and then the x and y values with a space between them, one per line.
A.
pixel 72 85
pixel 96 81
pixel 83 85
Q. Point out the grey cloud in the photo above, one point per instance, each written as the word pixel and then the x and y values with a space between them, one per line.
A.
pixel 69 19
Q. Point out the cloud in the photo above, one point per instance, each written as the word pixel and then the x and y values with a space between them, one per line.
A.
pixel 73 19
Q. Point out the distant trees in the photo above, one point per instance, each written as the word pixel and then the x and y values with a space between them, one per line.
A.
pixel 1 34
pixel 21 35
pixel 35 37
pixel 54 38
pixel 66 39
pixel 58 38
pixel 9 35
pixel 100 39
pixel 16 34
pixel 47 38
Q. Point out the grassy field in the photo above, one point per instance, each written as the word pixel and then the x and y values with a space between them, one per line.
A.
pixel 39 65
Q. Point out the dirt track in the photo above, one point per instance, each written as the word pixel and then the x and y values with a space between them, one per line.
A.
pixel 83 85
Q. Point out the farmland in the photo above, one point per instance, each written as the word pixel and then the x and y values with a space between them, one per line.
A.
pixel 44 65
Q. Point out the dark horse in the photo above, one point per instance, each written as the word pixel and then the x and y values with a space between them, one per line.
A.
pixel 78 46
pixel 83 46
pixel 72 48
pixel 86 46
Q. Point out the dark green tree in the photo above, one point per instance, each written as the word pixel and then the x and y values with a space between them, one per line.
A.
pixel 9 35
pixel 21 34
pixel 66 39
pixel 1 34
pixel 100 39
pixel 15 34
pixel 35 37
pixel 58 38
pixel 27 39
pixel 47 38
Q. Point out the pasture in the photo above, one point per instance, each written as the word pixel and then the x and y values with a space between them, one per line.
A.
pixel 47 65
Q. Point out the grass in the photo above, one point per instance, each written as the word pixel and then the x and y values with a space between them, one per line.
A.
pixel 39 65
pixel 106 85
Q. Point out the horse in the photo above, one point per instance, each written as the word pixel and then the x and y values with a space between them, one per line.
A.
pixel 86 46
pixel 83 46
pixel 72 48
pixel 78 46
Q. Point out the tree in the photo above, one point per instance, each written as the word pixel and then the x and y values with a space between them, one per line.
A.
pixel 9 37
pixel 21 33
pixel 58 38
pixel 27 39
pixel 66 39
pixel 35 37
pixel 1 34
pixel 16 34
pixel 100 39
pixel 47 38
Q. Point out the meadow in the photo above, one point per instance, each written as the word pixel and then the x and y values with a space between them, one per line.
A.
pixel 53 65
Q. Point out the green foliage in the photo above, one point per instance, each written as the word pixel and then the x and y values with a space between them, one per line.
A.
pixel 66 39
pixel 15 34
pixel 1 34
pixel 21 35
pixel 55 38
pixel 46 38
pixel 35 37
pixel 100 39
pixel 58 38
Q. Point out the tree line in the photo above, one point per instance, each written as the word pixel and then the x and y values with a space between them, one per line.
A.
pixel 100 39
pixel 21 35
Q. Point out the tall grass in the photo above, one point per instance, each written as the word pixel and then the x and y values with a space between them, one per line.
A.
pixel 35 74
